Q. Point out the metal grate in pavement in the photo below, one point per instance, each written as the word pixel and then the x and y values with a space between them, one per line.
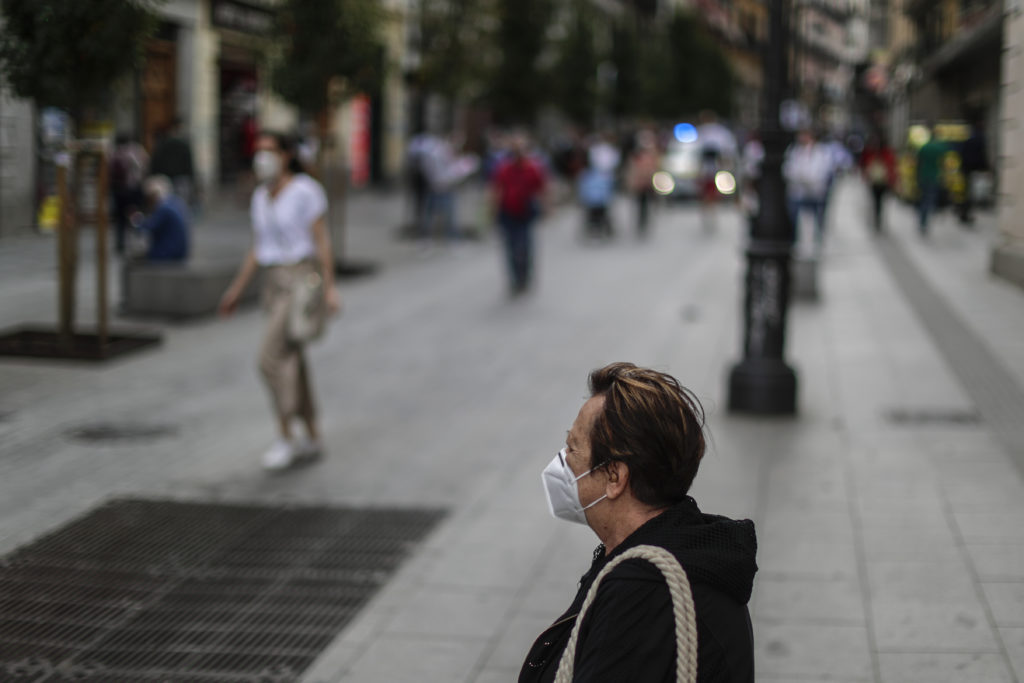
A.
pixel 997 397
pixel 142 590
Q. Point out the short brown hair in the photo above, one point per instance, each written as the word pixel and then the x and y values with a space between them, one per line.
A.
pixel 651 423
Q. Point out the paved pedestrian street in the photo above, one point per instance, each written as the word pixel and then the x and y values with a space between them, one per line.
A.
pixel 890 510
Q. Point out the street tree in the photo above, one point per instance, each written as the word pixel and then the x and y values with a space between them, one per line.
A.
pixel 574 77
pixel 452 44
pixel 625 56
pixel 328 51
pixel 517 86
pixel 451 54
pixel 669 69
pixel 66 55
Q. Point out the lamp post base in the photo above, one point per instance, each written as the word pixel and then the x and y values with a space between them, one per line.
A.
pixel 762 386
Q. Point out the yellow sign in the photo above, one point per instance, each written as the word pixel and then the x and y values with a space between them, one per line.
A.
pixel 49 213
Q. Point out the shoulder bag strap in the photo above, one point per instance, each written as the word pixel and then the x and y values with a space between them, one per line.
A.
pixel 682 609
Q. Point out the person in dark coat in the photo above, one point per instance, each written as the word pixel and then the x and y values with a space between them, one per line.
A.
pixel 166 227
pixel 974 160
pixel 172 157
pixel 627 467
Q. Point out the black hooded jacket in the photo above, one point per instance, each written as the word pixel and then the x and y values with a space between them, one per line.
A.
pixel 628 635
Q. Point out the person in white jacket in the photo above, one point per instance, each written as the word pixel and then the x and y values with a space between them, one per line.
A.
pixel 808 168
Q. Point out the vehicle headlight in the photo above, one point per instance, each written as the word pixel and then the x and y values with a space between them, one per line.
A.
pixel 663 183
pixel 725 182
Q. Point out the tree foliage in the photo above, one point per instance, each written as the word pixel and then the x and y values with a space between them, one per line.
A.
pixel 518 85
pixel 453 41
pixel 324 40
pixel 625 55
pixel 574 85
pixel 670 70
pixel 65 53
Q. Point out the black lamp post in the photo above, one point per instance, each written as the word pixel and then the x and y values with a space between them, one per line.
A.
pixel 762 383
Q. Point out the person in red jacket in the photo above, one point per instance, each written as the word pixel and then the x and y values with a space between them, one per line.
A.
pixel 878 166
pixel 517 189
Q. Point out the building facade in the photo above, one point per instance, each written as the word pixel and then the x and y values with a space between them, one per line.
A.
pixel 829 41
pixel 958 57
pixel 1008 255
pixel 890 69
pixel 17 165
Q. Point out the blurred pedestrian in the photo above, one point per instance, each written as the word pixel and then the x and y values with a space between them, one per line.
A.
pixel 517 196
pixel 416 175
pixel 128 166
pixel 626 470
pixel 878 166
pixel 307 149
pixel 842 162
pixel 807 168
pixel 973 162
pixel 929 178
pixel 172 157
pixel 291 244
pixel 165 228
pixel 643 164
pixel 445 169
pixel 718 152
pixel 751 159
pixel 597 186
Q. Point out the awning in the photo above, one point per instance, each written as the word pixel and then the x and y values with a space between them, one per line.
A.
pixel 986 33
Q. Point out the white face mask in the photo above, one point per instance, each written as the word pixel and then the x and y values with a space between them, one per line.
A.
pixel 563 492
pixel 266 165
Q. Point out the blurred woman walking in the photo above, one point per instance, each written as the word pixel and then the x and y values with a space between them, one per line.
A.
pixel 291 245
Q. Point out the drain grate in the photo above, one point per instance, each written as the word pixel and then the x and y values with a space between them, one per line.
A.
pixel 106 432
pixel 143 590
pixel 935 417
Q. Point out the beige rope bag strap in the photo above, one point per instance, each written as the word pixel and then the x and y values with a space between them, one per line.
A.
pixel 682 609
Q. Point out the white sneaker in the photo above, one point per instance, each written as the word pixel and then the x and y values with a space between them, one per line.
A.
pixel 307 448
pixel 279 456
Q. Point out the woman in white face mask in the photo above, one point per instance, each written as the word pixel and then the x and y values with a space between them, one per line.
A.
pixel 291 245
pixel 626 471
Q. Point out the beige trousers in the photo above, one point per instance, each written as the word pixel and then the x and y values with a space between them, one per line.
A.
pixel 283 362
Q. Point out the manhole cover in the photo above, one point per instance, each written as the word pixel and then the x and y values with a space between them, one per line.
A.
pixel 155 590
pixel 911 417
pixel 110 431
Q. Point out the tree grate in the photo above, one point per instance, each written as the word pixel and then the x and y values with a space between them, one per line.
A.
pixel 144 590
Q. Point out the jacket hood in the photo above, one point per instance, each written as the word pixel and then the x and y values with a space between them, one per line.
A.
pixel 714 550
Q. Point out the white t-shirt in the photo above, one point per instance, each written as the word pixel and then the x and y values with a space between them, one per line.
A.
pixel 604 157
pixel 283 226
pixel 807 169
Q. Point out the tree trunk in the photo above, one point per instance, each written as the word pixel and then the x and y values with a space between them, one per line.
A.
pixel 101 248
pixel 335 185
pixel 67 250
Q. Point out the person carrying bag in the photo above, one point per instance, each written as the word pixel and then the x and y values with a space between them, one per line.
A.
pixel 682 612
pixel 665 598
pixel 291 245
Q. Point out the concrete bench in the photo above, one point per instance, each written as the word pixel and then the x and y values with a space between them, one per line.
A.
pixel 180 290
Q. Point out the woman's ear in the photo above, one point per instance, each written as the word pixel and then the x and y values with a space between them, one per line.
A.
pixel 618 479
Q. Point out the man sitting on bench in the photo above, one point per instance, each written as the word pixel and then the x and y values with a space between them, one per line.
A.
pixel 166 227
